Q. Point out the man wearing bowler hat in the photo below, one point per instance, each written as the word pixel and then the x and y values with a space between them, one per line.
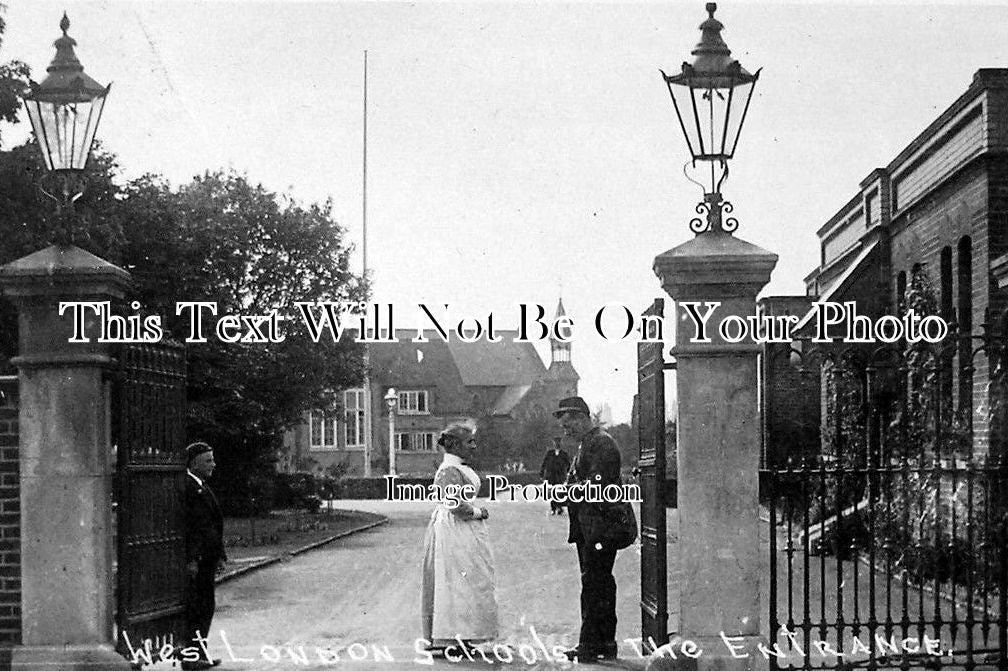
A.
pixel 205 555
pixel 597 462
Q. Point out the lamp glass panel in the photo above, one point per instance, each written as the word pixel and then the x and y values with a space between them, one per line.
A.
pixel 54 121
pixel 741 95
pixel 35 116
pixel 683 102
pixel 88 116
pixel 712 109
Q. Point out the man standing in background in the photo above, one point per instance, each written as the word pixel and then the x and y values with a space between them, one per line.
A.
pixel 554 469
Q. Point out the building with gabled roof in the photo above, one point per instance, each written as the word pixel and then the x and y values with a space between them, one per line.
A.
pixel 437 384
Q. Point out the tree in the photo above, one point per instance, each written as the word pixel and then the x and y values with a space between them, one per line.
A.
pixel 495 440
pixel 224 240
pixel 13 80
pixel 221 239
pixel 534 438
pixel 626 439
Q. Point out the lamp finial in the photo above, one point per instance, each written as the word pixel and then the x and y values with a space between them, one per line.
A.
pixel 65 23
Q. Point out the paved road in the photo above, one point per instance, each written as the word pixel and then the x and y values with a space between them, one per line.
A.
pixel 362 592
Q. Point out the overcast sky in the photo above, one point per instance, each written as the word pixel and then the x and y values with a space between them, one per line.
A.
pixel 519 150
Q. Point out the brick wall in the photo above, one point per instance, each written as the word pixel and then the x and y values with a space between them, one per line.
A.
pixel 957 208
pixel 997 220
pixel 10 515
pixel 963 140
pixel 789 399
pixel 997 113
pixel 790 408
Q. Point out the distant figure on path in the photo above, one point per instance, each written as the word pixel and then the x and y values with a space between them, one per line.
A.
pixel 554 468
pixel 458 605
pixel 205 555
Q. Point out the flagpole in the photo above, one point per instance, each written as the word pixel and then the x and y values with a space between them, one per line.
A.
pixel 368 444
pixel 364 181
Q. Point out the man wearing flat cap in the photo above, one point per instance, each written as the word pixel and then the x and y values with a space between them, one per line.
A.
pixel 205 555
pixel 597 462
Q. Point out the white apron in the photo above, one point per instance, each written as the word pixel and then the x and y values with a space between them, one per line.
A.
pixel 457 593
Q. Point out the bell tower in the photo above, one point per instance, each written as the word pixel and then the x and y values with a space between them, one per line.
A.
pixel 561 373
pixel 560 350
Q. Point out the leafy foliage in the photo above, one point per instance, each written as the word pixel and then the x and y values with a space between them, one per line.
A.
pixel 930 502
pixel 626 440
pixel 224 240
pixel 220 238
pixel 13 80
pixel 496 443
pixel 534 437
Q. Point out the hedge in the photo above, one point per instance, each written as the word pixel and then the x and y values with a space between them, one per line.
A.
pixel 376 487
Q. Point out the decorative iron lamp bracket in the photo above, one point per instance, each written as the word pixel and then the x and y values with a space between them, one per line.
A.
pixel 713 206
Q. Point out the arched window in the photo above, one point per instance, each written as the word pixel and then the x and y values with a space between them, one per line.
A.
pixel 965 282
pixel 945 297
pixel 965 309
pixel 945 311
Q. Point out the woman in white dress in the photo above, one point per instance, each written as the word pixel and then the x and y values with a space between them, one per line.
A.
pixel 457 594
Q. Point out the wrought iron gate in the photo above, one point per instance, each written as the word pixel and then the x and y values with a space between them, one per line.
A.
pixel 651 464
pixel 148 430
pixel 888 540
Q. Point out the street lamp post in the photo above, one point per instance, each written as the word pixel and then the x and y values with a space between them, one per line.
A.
pixel 718 550
pixel 64 110
pixel 711 97
pixel 66 473
pixel 391 401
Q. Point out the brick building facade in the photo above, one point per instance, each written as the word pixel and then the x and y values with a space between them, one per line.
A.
pixel 941 205
pixel 10 514
pixel 788 396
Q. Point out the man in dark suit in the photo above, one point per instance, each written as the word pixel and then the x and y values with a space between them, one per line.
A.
pixel 554 468
pixel 205 555
pixel 597 462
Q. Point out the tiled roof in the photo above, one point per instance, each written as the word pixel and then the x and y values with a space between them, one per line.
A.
pixel 452 368
pixel 493 364
pixel 562 370
pixel 509 398
pixel 836 289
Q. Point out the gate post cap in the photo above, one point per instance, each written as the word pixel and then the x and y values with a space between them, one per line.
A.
pixel 713 266
pixel 63 272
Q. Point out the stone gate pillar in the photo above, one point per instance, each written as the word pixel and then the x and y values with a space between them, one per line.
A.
pixel 718 449
pixel 66 463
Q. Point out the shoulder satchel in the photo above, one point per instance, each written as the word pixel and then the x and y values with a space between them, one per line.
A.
pixel 612 524
pixel 622 531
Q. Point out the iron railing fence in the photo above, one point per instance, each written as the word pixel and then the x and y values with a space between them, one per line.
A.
pixel 888 539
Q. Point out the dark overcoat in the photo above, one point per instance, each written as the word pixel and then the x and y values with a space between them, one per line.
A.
pixel 555 466
pixel 598 462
